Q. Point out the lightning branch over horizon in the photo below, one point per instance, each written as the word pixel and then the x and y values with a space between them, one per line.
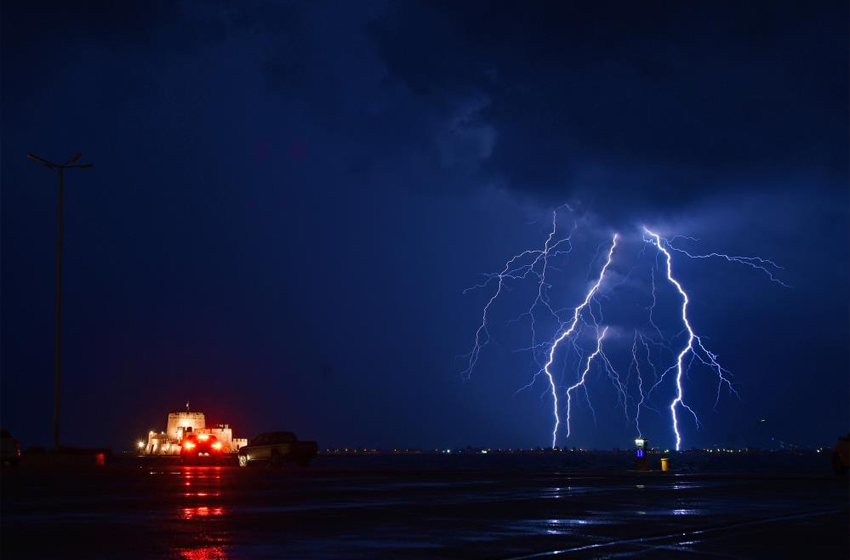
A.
pixel 693 342
pixel 519 267
pixel 567 332
pixel 583 376
pixel 571 321
pixel 636 364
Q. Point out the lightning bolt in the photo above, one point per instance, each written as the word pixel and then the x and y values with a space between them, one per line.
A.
pixel 581 380
pixel 694 343
pixel 765 265
pixel 535 263
pixel 616 381
pixel 518 267
pixel 636 364
pixel 542 296
pixel 567 332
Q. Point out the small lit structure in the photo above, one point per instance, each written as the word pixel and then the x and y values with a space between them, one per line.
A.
pixel 641 448
pixel 183 423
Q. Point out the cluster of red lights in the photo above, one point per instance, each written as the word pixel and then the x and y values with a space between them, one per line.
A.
pixel 189 444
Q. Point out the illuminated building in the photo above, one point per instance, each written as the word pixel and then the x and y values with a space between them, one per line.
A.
pixel 183 423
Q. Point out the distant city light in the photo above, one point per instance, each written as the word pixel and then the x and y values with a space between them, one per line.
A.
pixel 140 445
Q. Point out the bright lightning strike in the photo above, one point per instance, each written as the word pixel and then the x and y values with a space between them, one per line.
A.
pixel 707 357
pixel 534 264
pixel 566 333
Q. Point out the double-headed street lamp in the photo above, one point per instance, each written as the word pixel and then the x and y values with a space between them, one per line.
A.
pixel 70 164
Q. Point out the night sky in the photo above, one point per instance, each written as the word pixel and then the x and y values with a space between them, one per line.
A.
pixel 289 200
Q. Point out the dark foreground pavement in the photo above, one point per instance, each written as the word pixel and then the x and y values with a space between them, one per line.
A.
pixel 213 513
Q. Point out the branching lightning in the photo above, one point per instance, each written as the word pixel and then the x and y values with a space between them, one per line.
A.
pixel 583 377
pixel 636 365
pixel 765 265
pixel 679 400
pixel 518 267
pixel 566 333
pixel 693 346
pixel 535 263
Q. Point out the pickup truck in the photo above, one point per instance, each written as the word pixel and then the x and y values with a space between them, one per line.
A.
pixel 277 448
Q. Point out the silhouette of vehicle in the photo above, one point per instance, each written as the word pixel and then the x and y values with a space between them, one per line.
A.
pixel 10 450
pixel 277 448
pixel 194 447
pixel 841 455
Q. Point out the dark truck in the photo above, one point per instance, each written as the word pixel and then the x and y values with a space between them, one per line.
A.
pixel 277 448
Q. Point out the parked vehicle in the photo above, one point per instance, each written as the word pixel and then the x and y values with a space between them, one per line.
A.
pixel 10 449
pixel 277 448
pixel 194 447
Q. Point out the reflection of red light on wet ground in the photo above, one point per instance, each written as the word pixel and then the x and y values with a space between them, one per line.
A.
pixel 202 472
pixel 205 553
pixel 201 494
pixel 203 511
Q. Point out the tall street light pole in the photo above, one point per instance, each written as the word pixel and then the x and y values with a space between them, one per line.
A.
pixel 61 167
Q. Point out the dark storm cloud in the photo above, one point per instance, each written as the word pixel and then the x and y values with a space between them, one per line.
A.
pixel 46 45
pixel 44 35
pixel 282 31
pixel 658 103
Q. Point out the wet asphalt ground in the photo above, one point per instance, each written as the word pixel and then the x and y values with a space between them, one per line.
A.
pixel 331 510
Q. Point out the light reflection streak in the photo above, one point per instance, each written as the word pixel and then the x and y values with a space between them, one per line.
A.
pixel 208 542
